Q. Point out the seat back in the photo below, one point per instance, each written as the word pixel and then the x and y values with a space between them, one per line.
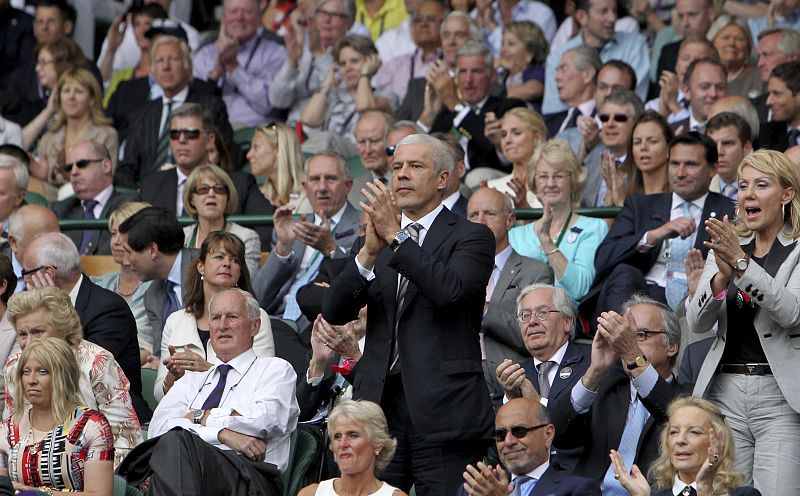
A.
pixel 303 453
pixel 98 265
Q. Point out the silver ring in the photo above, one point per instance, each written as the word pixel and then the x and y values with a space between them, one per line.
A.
pixel 191 363
pixel 717 240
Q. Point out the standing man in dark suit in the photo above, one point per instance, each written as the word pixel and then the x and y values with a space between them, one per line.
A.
pixel 783 100
pixel 190 132
pixel 147 147
pixel 90 171
pixel 622 408
pixel 424 279
pixel 453 199
pixel 52 260
pixel 693 18
pixel 648 242
pixel 524 435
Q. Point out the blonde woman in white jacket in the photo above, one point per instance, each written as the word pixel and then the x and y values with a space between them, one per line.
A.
pixel 185 344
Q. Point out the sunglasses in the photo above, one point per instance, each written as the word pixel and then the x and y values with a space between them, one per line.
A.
pixel 190 134
pixel 81 164
pixel 518 431
pixel 390 150
pixel 203 189
pixel 616 117
pixel 37 269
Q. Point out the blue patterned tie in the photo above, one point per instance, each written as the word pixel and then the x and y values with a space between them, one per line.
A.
pixel 86 237
pixel 523 485
pixel 730 190
pixel 676 285
pixel 170 302
pixel 292 310
pixel 216 394
pixel 637 416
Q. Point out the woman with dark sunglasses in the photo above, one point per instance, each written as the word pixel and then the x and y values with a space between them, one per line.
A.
pixel 209 196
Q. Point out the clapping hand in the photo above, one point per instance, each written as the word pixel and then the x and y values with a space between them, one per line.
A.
pixel 634 482
pixel 512 380
pixel 705 477
pixel 485 480
pixel 318 237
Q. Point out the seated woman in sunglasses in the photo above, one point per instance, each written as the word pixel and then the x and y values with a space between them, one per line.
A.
pixel 606 182
pixel 209 196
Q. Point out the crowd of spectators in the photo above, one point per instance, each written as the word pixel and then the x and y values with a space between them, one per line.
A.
pixel 402 308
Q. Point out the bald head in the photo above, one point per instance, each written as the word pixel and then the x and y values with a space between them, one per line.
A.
pixel 738 105
pixel 794 154
pixel 27 222
pixel 494 210
pixel 522 454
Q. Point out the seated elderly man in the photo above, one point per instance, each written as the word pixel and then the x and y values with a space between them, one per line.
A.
pixel 227 430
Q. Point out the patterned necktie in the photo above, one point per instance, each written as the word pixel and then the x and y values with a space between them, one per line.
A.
pixel 216 394
pixel 676 285
pixel 544 369
pixel 794 134
pixel 292 309
pixel 520 484
pixel 637 416
pixel 413 231
pixel 86 237
pixel 163 151
pixel 171 303
pixel 729 191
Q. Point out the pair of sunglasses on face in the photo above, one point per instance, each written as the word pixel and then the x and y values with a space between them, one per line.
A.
pixel 189 134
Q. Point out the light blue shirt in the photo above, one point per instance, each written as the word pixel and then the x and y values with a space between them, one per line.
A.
pixel 630 48
pixel 578 246
pixel 525 10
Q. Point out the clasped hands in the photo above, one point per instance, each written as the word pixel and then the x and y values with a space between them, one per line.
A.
pixel 382 223
pixel 307 232
pixel 725 244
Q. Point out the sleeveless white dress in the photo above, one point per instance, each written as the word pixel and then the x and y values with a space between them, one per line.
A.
pixel 325 488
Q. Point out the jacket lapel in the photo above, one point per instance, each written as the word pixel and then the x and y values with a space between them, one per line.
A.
pixel 565 370
pixel 507 275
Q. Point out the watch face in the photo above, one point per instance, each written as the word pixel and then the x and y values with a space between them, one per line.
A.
pixel 741 264
pixel 401 236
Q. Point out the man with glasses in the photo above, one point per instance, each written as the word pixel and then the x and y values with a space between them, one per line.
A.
pixel 524 436
pixel 90 172
pixel 621 401
pixel 190 132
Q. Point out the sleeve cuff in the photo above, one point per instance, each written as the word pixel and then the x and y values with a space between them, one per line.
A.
pixel 207 433
pixel 217 417
pixel 366 274
pixel 582 398
pixel 313 381
pixel 643 246
pixel 461 115
pixel 645 383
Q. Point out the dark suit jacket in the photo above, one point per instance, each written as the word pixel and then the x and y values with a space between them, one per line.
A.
pixel 683 123
pixel 140 152
pixel 72 208
pixel 553 122
pixel 290 347
pixel 669 57
pixel 133 95
pixel 600 429
pixel 310 296
pixel 107 321
pixel 693 357
pixel 760 103
pixel 774 136
pixel 161 190
pixel 739 491
pixel 440 354
pixel 559 483
pixel 414 101
pixel 460 206
pixel 480 151
pixel 639 214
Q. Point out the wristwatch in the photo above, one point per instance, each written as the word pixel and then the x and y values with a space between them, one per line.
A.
pixel 741 264
pixel 640 361
pixel 399 238
pixel 198 415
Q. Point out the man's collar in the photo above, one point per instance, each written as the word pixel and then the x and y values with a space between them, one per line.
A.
pixel 333 219
pixel 557 357
pixel 426 221
pixel 179 97
pixel 536 473
pixel 242 361
pixel 175 271
pixel 501 258
pixel 73 293
pixel 697 202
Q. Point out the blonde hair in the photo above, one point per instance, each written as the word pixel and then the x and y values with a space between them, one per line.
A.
pixel 532 120
pixel 373 420
pixel 558 154
pixel 532 37
pixel 778 166
pixel 59 360
pixel 289 163
pixel 216 174
pixel 58 310
pixel 125 211
pixel 87 80
pixel 662 471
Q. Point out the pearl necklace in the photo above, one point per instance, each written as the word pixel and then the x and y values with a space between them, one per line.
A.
pixel 124 294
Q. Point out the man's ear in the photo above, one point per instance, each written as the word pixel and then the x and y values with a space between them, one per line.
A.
pixel 68 27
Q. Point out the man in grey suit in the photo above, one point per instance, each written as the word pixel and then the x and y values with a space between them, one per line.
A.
pixel 511 273
pixel 90 173
pixel 299 246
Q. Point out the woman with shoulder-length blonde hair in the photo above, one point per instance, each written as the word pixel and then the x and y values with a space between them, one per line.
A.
pixel 750 286
pixel 275 155
pixel 696 452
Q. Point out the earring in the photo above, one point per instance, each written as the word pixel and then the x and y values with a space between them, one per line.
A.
pixel 377 453
pixel 202 277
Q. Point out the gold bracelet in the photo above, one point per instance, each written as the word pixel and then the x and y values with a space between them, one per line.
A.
pixel 548 253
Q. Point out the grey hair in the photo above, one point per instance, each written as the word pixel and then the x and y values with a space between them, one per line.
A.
pixel 403 124
pixel 672 326
pixel 387 118
pixel 349 8
pixel 373 420
pixel 789 43
pixel 441 156
pixel 561 301
pixel 622 97
pixel 21 174
pixel 472 48
pixel 585 57
pixel 342 163
pixel 163 39
pixel 474 30
pixel 725 20
pixel 250 303
pixel 196 111
pixel 58 250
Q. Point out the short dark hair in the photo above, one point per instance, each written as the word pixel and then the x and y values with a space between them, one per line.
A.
pixel 621 66
pixel 197 111
pixel 705 60
pixel 726 119
pixel 68 12
pixel 153 225
pixel 151 10
pixel 789 73
pixel 194 297
pixel 7 275
pixel 693 138
pixel 17 152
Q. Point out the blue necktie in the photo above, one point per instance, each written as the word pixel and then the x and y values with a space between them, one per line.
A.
pixel 86 237
pixel 676 285
pixel 637 416
pixel 216 394
pixel 523 485
pixel 170 302
pixel 292 310
pixel 730 190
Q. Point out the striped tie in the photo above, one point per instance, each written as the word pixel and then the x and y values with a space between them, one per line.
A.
pixel 163 151
pixel 413 232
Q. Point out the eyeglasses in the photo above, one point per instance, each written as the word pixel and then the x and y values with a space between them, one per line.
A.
pixel 542 313
pixel 203 189
pixel 327 14
pixel 81 164
pixel 557 177
pixel 190 134
pixel 390 150
pixel 429 19
pixel 644 334
pixel 616 117
pixel 518 431
pixel 26 273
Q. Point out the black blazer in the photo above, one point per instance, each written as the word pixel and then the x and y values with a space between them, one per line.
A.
pixel 600 429
pixel 460 206
pixel 559 483
pixel 310 296
pixel 760 103
pixel 71 208
pixel 668 58
pixel 774 136
pixel 693 357
pixel 440 354
pixel 161 190
pixel 142 139
pixel 553 122
pixel 107 321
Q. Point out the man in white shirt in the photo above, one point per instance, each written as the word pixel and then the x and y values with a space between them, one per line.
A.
pixel 235 419
pixel 524 436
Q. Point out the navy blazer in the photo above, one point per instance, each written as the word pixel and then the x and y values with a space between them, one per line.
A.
pixel 559 483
